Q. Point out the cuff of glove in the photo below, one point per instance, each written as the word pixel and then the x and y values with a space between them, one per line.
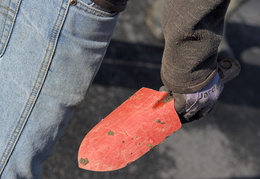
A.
pixel 189 89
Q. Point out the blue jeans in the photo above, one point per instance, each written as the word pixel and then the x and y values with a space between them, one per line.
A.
pixel 50 53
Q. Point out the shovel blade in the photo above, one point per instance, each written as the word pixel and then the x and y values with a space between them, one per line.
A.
pixel 135 127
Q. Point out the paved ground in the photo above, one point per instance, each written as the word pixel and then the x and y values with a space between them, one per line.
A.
pixel 224 145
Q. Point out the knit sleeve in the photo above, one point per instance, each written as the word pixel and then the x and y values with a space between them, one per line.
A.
pixel 192 31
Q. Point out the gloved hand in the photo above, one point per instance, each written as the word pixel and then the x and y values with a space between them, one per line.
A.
pixel 193 106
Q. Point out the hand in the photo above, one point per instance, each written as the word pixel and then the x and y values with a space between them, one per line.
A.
pixel 193 106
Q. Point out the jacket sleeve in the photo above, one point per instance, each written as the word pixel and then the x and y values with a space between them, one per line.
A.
pixel 112 5
pixel 192 31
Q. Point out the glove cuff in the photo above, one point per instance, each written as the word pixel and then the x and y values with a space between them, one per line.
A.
pixel 189 89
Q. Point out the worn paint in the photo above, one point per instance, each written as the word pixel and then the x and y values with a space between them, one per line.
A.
pixel 150 145
pixel 159 121
pixel 84 161
pixel 110 133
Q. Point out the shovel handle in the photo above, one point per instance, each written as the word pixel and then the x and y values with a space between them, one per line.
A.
pixel 228 69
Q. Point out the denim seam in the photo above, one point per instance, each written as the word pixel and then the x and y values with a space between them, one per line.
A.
pixel 7 8
pixel 6 17
pixel 10 28
pixel 4 30
pixel 53 40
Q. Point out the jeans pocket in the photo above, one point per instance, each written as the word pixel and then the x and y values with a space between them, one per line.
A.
pixel 86 25
pixel 91 7
pixel 81 47
pixel 8 13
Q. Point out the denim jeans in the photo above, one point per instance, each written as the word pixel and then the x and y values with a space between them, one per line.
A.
pixel 50 53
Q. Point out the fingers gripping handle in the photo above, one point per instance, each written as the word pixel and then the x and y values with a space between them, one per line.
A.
pixel 192 107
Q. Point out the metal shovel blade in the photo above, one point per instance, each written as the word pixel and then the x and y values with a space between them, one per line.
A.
pixel 140 123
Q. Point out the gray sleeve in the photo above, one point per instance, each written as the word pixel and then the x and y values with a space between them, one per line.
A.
pixel 192 31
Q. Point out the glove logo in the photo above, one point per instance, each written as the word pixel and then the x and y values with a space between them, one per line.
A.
pixel 207 93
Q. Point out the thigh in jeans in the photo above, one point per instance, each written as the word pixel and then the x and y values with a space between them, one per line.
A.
pixel 50 53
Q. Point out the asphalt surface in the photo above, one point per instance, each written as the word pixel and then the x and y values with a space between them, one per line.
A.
pixel 223 145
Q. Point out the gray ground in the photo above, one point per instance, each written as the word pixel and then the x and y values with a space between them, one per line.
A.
pixel 224 145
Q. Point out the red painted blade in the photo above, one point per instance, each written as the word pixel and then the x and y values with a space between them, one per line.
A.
pixel 130 131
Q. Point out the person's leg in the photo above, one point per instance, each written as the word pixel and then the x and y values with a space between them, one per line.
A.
pixel 51 58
